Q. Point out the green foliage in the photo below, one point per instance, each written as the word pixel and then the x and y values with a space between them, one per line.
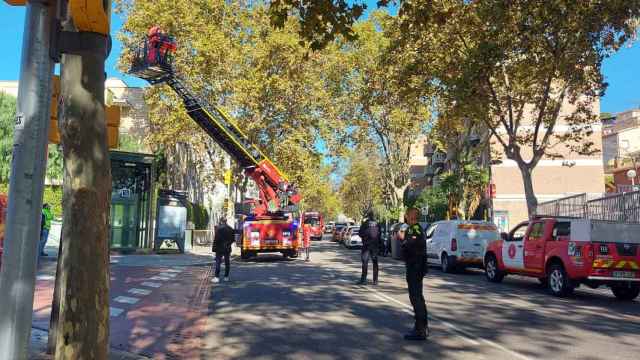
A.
pixel 198 215
pixel 436 199
pixel 230 54
pixel 130 143
pixel 55 170
pixel 52 196
pixel 464 188
pixel 7 122
pixel 361 188
pixel 514 66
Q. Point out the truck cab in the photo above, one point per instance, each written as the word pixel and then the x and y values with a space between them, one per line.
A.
pixel 564 253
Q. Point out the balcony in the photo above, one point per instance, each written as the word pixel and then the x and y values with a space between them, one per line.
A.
pixel 438 158
pixel 429 149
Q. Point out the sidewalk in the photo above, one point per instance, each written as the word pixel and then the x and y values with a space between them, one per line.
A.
pixel 38 348
pixel 158 304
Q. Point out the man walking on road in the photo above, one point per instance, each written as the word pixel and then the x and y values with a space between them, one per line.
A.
pixel 370 234
pixel 223 239
pixel 414 252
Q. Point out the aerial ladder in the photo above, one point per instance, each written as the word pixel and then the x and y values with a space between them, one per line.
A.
pixel 271 226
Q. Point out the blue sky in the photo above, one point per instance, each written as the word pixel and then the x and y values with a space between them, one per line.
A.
pixel 621 71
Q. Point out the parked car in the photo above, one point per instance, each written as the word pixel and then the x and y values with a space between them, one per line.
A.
pixel 328 229
pixel 456 244
pixel 351 239
pixel 343 233
pixel 337 230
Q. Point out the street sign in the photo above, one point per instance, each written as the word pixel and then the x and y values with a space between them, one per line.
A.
pixel 631 174
pixel 425 210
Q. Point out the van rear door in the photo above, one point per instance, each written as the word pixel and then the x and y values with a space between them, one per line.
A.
pixel 473 238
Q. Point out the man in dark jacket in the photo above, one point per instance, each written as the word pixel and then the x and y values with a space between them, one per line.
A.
pixel 222 241
pixel 415 256
pixel 370 233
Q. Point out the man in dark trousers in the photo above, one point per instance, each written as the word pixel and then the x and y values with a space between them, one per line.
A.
pixel 415 256
pixel 223 239
pixel 370 233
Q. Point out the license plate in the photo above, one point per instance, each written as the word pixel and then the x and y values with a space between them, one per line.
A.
pixel 624 274
pixel 271 242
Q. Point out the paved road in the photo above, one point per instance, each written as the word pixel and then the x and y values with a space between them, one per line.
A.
pixel 279 309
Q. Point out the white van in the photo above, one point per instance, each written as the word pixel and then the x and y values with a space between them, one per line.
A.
pixel 459 243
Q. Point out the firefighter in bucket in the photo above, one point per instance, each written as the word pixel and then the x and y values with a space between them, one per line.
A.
pixel 159 48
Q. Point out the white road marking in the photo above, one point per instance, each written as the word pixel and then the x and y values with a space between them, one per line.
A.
pixel 167 274
pixel 126 300
pixel 136 291
pixel 176 270
pixel 45 277
pixel 469 337
pixel 114 311
pixel 161 278
pixel 151 284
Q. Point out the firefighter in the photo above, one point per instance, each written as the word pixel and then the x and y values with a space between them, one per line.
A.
pixel 306 239
pixel 414 253
pixel 370 233
pixel 160 46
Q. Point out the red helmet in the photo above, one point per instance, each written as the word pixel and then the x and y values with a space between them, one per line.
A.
pixel 154 30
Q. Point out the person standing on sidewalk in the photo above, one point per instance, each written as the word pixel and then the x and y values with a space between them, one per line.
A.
pixel 415 256
pixel 370 233
pixel 45 226
pixel 222 241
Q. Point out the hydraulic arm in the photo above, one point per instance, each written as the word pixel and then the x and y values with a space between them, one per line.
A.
pixel 153 63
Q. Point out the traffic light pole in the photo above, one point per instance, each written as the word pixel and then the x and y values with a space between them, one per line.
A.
pixel 26 185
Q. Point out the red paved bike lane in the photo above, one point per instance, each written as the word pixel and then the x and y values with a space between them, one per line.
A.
pixel 158 312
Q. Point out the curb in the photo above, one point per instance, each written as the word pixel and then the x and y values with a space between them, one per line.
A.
pixel 38 348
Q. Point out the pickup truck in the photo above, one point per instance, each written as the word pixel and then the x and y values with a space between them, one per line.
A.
pixel 564 253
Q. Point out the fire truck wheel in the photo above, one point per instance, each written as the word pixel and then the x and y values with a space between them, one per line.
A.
pixel 626 292
pixel 492 271
pixel 559 283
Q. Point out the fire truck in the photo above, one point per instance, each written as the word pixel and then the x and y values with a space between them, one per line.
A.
pixel 573 242
pixel 316 224
pixel 272 225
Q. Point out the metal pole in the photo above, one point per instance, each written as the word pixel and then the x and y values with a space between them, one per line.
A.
pixel 26 185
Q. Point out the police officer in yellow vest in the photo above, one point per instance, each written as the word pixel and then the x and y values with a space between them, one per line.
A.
pixel 414 250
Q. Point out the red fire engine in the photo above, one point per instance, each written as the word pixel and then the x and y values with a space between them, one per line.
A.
pixel 272 225
pixel 316 224
pixel 575 242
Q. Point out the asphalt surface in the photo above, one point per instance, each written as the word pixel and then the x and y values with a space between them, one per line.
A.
pixel 291 309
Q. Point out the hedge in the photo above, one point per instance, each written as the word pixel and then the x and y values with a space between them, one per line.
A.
pixel 52 196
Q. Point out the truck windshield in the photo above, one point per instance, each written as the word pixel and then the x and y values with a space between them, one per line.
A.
pixel 313 221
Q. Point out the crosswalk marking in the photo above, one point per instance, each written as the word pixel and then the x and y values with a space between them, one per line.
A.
pixel 151 284
pixel 161 278
pixel 136 291
pixel 114 311
pixel 126 300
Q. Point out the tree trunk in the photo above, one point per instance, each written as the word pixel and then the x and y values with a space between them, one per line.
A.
pixel 530 195
pixel 398 200
pixel 83 325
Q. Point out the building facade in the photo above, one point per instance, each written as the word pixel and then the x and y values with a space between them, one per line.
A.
pixel 621 150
